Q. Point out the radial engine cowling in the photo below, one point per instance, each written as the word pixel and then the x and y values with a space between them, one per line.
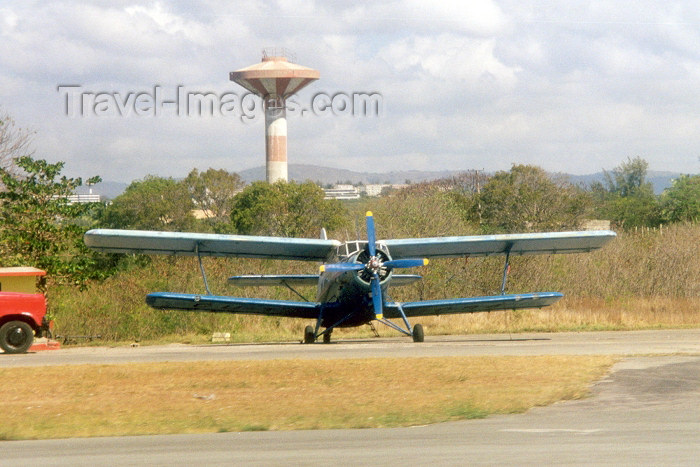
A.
pixel 375 264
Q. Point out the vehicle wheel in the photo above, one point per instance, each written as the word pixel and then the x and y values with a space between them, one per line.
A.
pixel 418 333
pixel 16 337
pixel 327 338
pixel 309 335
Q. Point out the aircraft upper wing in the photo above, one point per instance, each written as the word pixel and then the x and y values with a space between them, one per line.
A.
pixel 189 244
pixel 472 304
pixel 487 245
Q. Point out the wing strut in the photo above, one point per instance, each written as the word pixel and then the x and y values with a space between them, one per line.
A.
pixel 408 331
pixel 201 268
pixel 506 269
pixel 319 320
pixel 329 329
pixel 286 284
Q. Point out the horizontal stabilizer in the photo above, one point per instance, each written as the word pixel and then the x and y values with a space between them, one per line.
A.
pixel 249 306
pixel 404 279
pixel 472 304
pixel 264 280
pixel 191 244
pixel 488 245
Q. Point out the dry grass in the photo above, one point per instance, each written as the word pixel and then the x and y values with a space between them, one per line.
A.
pixel 571 314
pixel 89 400
pixel 638 281
pixel 576 314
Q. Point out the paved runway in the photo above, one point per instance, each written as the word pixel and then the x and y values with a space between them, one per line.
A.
pixel 647 412
pixel 683 341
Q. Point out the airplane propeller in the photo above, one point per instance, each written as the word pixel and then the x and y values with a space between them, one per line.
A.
pixel 374 265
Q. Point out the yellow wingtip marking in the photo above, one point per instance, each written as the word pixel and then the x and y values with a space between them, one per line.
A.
pixel 425 261
pixel 380 316
pixel 369 214
pixel 322 268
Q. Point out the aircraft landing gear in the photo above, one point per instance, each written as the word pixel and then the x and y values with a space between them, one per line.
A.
pixel 309 335
pixel 417 333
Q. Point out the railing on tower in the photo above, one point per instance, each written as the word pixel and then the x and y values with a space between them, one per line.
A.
pixel 269 52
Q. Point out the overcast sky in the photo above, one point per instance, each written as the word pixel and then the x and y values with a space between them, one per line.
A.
pixel 570 86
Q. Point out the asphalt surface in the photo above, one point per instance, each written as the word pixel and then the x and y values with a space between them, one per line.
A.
pixel 683 341
pixel 646 412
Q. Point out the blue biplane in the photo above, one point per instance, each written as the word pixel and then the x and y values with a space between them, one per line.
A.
pixel 355 276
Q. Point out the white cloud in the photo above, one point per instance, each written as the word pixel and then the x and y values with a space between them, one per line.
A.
pixel 568 86
pixel 8 21
pixel 450 58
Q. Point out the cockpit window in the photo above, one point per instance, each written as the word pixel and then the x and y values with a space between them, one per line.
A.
pixel 354 247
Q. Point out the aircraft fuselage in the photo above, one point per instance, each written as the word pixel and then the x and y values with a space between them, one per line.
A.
pixel 347 294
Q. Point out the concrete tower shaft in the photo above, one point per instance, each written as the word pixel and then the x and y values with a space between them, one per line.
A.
pixel 274 79
pixel 275 140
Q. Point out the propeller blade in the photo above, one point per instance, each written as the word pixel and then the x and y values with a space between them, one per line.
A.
pixel 406 263
pixel 371 235
pixel 341 267
pixel 377 297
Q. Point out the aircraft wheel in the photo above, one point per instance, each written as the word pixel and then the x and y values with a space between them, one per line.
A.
pixel 309 335
pixel 417 334
pixel 327 338
pixel 16 337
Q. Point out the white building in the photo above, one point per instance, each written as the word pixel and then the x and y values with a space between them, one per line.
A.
pixel 81 199
pixel 376 190
pixel 341 192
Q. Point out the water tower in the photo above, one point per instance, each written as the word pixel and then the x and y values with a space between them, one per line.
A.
pixel 274 79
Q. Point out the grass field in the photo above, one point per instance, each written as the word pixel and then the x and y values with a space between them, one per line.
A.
pixel 643 280
pixel 200 397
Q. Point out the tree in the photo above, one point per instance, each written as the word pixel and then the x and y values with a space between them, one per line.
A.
pixel 285 209
pixel 419 210
pixel 681 201
pixel 626 197
pixel 14 142
pixel 527 199
pixel 628 179
pixel 213 191
pixel 154 203
pixel 41 227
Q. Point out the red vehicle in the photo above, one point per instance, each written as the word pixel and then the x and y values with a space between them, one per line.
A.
pixel 22 308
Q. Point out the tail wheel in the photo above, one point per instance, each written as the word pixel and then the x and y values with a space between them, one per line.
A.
pixel 309 335
pixel 16 337
pixel 417 333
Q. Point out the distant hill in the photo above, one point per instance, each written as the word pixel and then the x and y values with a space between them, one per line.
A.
pixel 329 175
pixel 659 180
pixel 324 175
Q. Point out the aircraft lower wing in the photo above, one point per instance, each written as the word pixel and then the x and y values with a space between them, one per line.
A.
pixel 250 306
pixel 472 304
pixel 487 245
